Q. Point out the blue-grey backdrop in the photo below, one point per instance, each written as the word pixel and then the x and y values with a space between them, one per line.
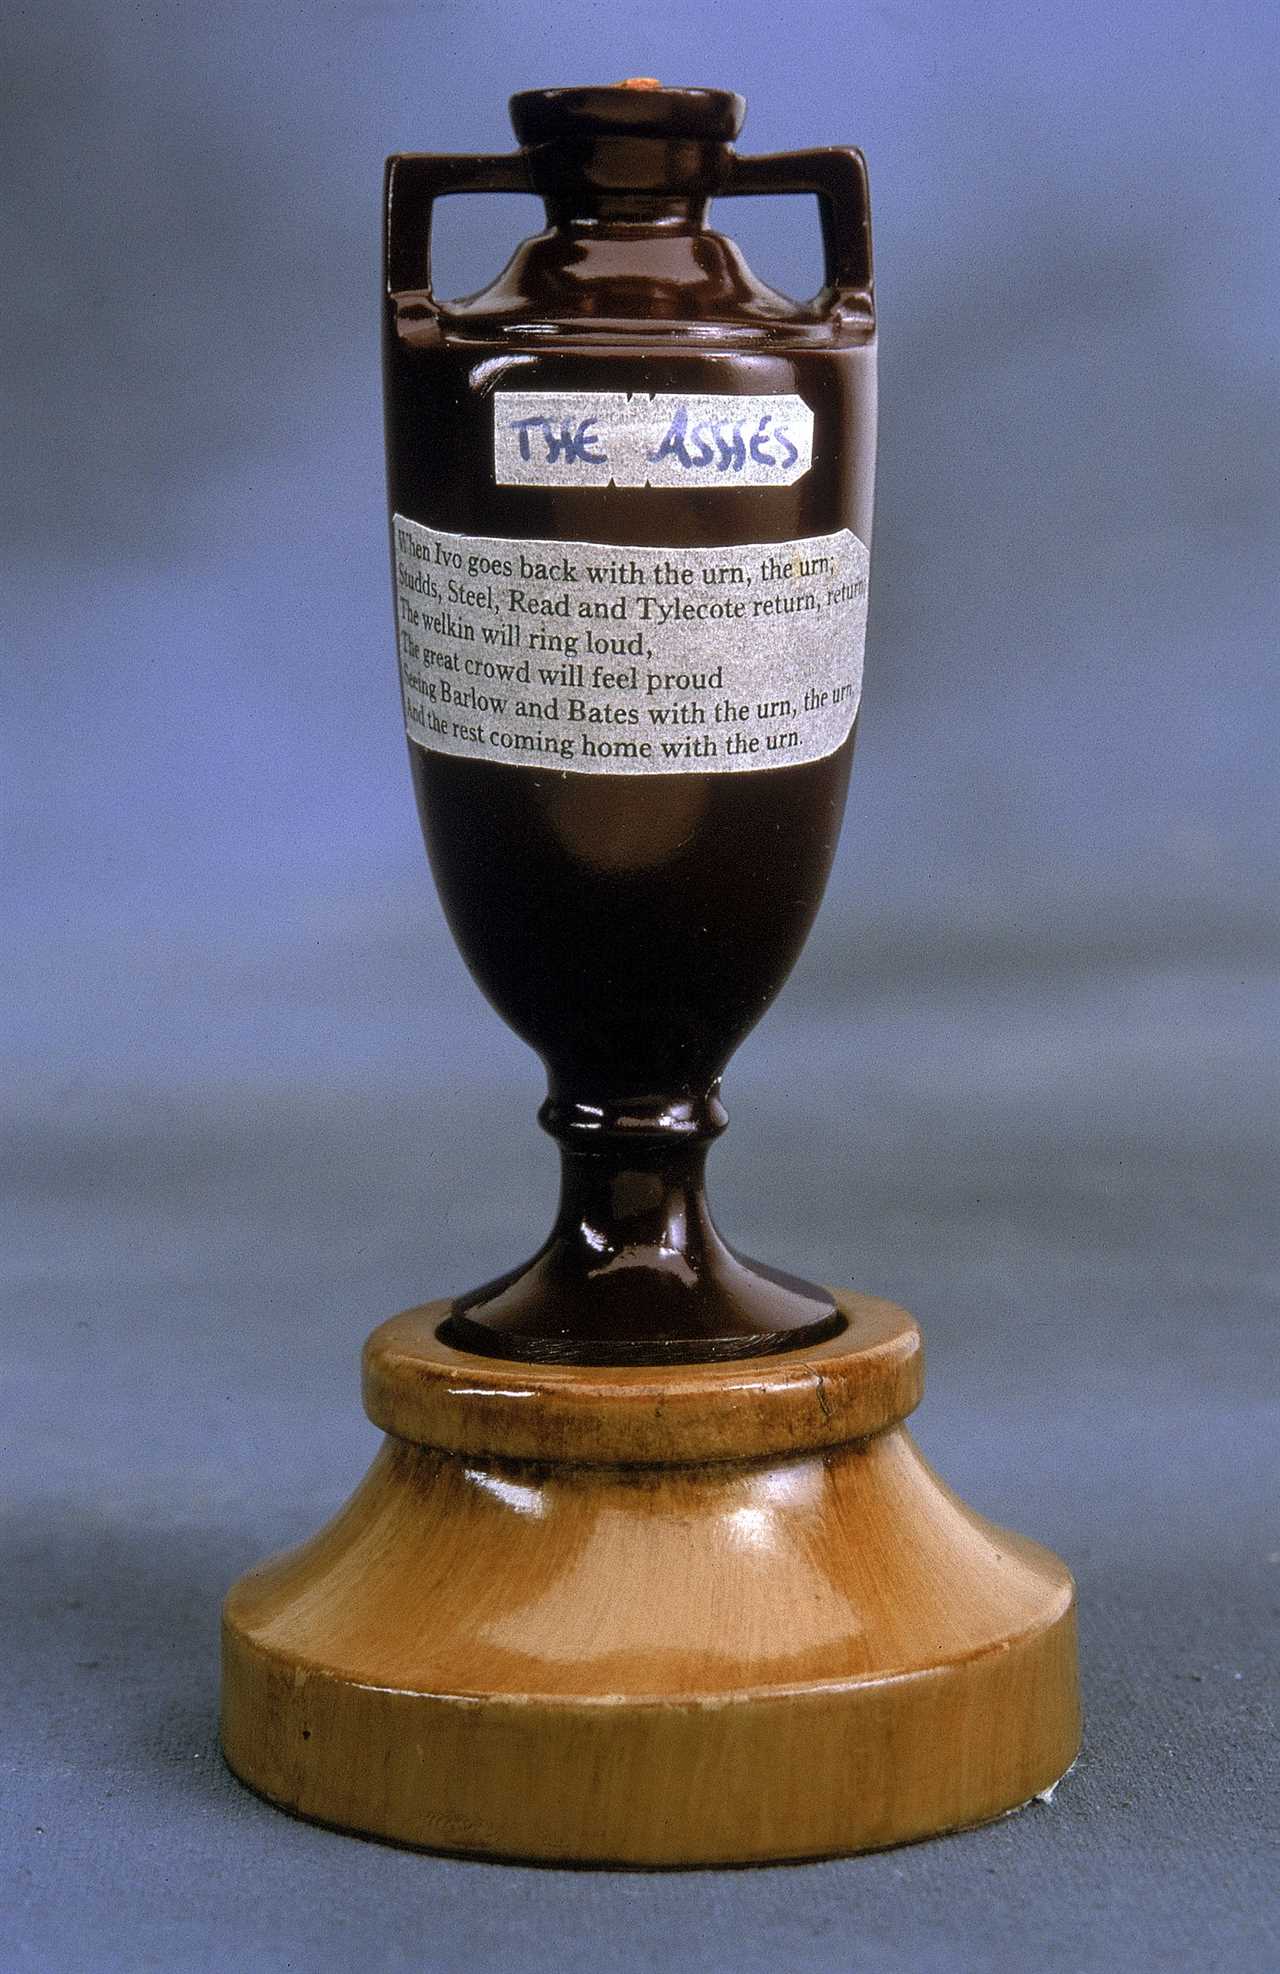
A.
pixel 1024 1078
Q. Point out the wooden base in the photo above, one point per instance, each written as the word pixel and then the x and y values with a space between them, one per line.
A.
pixel 706 1614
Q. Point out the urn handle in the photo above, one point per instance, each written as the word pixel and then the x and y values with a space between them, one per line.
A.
pixel 414 181
pixel 838 179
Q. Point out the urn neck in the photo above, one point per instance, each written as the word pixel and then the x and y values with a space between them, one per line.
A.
pixel 628 182
pixel 581 213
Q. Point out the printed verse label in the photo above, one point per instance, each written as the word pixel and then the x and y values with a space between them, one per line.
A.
pixel 636 439
pixel 604 660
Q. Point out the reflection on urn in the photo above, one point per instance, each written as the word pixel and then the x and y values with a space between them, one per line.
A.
pixel 632 930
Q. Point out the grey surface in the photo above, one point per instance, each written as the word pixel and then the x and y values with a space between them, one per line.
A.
pixel 1024 1079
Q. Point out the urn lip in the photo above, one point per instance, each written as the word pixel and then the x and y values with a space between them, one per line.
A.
pixel 541 116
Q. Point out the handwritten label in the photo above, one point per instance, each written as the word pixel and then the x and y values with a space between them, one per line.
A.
pixel 598 438
pixel 587 659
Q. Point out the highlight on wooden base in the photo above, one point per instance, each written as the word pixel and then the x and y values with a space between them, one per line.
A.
pixel 704 1614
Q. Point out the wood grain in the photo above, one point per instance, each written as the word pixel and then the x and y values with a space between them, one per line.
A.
pixel 796 1646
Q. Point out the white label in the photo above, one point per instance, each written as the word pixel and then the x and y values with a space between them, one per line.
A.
pixel 598 438
pixel 604 660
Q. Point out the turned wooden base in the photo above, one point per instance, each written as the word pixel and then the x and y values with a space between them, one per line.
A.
pixel 706 1614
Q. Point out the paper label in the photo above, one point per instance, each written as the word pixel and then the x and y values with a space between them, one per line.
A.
pixel 638 439
pixel 604 660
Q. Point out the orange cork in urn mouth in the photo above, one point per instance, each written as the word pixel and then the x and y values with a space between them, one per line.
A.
pixel 638 82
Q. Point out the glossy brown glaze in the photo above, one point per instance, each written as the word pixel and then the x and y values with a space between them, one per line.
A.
pixel 631 929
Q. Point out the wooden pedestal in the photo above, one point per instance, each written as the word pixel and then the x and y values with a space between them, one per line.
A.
pixel 691 1615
